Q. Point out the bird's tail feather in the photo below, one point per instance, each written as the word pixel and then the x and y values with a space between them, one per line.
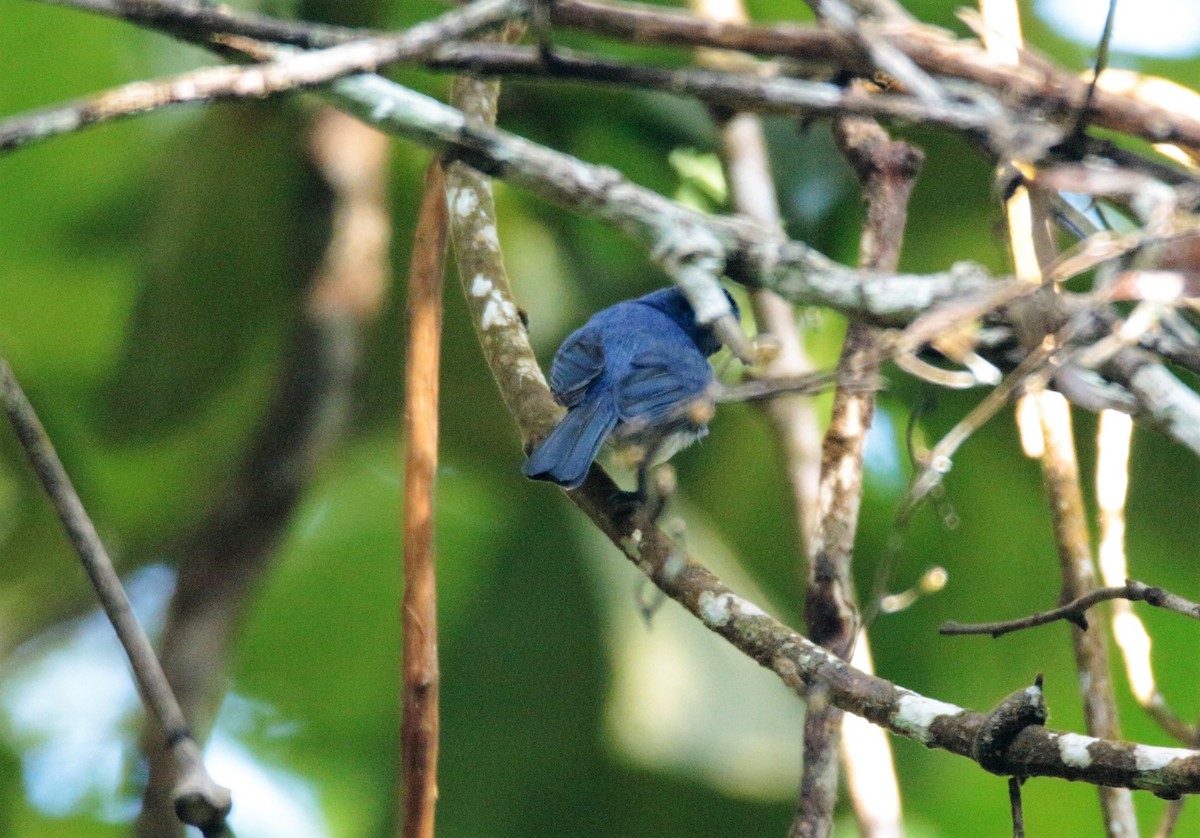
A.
pixel 565 456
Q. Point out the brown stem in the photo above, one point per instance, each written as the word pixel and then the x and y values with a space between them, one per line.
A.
pixel 887 170
pixel 1014 802
pixel 419 720
pixel 1060 474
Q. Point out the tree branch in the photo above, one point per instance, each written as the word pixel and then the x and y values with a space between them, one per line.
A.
pixel 198 800
pixel 1034 751
pixel 887 171
pixel 1045 89
pixel 292 72
pixel 1075 611
pixel 419 718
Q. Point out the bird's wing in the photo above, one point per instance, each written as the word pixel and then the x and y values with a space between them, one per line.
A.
pixel 576 365
pixel 661 384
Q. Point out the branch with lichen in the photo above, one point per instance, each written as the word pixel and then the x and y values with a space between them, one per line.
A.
pixel 693 248
pixel 802 665
pixel 696 249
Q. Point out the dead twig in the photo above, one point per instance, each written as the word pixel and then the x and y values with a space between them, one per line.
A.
pixel 1075 611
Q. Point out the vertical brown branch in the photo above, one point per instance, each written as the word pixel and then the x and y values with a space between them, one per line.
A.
pixel 1031 247
pixel 887 171
pixel 419 717
pixel 1060 473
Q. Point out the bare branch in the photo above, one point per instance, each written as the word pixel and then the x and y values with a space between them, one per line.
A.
pixel 199 22
pixel 1056 93
pixel 419 719
pixel 1075 611
pixel 293 72
pixel 887 171
pixel 198 799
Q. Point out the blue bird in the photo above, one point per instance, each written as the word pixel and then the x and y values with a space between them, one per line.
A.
pixel 636 374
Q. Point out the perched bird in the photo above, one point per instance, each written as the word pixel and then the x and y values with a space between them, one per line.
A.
pixel 636 374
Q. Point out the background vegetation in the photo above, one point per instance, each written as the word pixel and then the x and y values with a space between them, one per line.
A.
pixel 148 281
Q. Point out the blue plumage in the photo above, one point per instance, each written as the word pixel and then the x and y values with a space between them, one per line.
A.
pixel 636 372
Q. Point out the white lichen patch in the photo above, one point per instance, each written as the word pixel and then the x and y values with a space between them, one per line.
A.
pixel 383 109
pixel 481 286
pixel 714 610
pixel 497 311
pixel 528 369
pixel 747 608
pixel 1073 748
pixel 464 202
pixel 486 236
pixel 1152 758
pixel 915 714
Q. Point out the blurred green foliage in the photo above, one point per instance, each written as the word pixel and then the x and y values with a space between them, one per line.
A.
pixel 149 271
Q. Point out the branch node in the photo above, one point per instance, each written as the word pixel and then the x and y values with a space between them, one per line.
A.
pixel 1023 708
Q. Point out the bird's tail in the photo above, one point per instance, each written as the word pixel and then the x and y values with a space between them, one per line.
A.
pixel 565 456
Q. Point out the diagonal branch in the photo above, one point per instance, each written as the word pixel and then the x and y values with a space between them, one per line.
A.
pixel 1043 88
pixel 292 72
pixel 1033 751
pixel 197 798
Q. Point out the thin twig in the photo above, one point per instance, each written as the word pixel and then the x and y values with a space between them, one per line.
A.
pixel 198 799
pixel 199 22
pixel 1014 803
pixel 1078 132
pixel 887 171
pixel 1075 611
pixel 419 719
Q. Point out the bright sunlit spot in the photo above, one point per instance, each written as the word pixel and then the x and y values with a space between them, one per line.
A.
pixel 267 801
pixel 69 701
pixel 70 706
pixel 882 456
pixel 1163 28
